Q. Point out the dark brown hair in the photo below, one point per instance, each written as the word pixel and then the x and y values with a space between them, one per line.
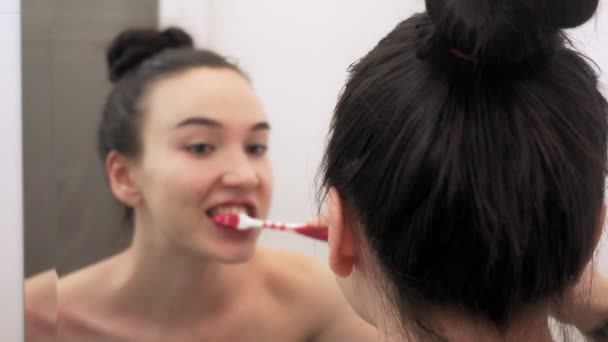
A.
pixel 470 147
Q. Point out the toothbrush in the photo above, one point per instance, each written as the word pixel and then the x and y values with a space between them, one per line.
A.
pixel 244 222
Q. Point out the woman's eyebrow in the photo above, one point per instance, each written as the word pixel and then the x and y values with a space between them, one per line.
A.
pixel 203 121
pixel 199 121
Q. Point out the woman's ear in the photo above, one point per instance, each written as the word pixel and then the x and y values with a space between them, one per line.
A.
pixel 342 256
pixel 121 178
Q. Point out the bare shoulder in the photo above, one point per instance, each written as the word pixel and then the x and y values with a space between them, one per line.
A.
pixel 280 257
pixel 296 274
pixel 311 288
pixel 81 292
pixel 41 290
pixel 41 306
pixel 78 284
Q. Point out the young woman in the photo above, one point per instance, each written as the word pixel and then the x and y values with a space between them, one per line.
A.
pixel 465 173
pixel 184 137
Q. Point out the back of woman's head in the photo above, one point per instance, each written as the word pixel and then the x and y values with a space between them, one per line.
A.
pixel 470 147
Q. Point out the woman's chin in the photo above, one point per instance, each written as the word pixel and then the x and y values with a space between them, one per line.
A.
pixel 236 254
pixel 235 251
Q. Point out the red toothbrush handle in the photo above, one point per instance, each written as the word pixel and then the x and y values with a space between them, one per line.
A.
pixel 314 232
pixel 318 233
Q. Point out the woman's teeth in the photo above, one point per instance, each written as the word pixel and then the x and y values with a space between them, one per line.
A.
pixel 227 210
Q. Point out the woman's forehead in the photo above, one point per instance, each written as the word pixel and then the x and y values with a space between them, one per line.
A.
pixel 221 95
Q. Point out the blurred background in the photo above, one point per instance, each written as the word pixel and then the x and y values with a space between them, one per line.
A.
pixel 297 54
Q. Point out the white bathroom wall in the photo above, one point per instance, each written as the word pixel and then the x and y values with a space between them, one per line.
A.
pixel 9 6
pixel 297 53
pixel 191 15
pixel 11 210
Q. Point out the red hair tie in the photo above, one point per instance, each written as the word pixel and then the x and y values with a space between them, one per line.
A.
pixel 459 54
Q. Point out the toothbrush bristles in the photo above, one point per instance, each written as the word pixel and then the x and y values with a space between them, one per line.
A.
pixel 228 221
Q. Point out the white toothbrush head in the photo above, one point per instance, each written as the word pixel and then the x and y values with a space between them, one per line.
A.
pixel 240 221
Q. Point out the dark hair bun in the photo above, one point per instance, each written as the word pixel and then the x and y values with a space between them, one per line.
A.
pixel 133 46
pixel 507 30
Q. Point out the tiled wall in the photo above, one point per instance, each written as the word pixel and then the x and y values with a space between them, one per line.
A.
pixel 71 219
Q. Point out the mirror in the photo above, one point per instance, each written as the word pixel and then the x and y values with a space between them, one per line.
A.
pixel 71 217
pixel 296 55
pixel 72 220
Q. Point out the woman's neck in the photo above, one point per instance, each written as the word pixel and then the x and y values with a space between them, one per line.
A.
pixel 453 325
pixel 531 325
pixel 162 283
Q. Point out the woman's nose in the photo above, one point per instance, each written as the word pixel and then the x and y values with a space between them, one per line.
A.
pixel 240 172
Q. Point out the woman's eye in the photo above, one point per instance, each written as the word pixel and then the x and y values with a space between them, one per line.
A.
pixel 257 150
pixel 200 149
